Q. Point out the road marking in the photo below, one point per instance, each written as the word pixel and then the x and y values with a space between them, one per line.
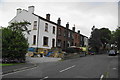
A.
pixel 44 78
pixel 114 68
pixel 19 71
pixel 101 77
pixel 67 68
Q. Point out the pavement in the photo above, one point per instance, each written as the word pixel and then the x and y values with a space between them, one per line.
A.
pixel 30 63
pixel 17 67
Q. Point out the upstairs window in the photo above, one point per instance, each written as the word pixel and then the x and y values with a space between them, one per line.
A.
pixel 53 29
pixel 35 25
pixel 59 31
pixel 46 27
pixel 68 34
pixel 64 33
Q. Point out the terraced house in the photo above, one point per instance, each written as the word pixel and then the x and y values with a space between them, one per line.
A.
pixel 46 34
pixel 43 31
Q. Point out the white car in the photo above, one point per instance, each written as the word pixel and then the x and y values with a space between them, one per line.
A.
pixel 112 53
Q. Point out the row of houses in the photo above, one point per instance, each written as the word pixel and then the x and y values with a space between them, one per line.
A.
pixel 46 34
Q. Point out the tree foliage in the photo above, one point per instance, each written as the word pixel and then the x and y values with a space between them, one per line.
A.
pixel 99 39
pixel 14 43
pixel 116 38
pixel 20 26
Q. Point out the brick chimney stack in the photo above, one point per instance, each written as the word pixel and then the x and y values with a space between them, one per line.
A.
pixel 78 31
pixel 31 9
pixel 73 28
pixel 19 10
pixel 67 25
pixel 48 17
pixel 59 21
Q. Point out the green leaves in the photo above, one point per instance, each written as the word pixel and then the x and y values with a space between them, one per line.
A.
pixel 14 44
pixel 99 38
pixel 20 26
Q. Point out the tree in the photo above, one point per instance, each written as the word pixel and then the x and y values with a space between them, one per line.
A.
pixel 117 37
pixel 14 43
pixel 94 41
pixel 105 36
pixel 99 39
pixel 20 26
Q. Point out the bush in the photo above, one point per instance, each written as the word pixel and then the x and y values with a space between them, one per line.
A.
pixel 14 45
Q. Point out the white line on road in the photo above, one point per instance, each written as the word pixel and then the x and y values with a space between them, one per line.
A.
pixel 101 77
pixel 67 68
pixel 44 78
pixel 19 71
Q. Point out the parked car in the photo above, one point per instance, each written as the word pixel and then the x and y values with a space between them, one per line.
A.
pixel 112 52
pixel 75 50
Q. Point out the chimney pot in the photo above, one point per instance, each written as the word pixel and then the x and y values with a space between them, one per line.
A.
pixel 48 17
pixel 73 28
pixel 19 10
pixel 59 21
pixel 78 31
pixel 67 25
pixel 31 9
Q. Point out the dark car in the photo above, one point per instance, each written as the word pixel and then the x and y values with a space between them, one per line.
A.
pixel 75 50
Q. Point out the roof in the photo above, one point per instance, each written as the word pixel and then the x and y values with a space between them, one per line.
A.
pixel 56 24
pixel 44 19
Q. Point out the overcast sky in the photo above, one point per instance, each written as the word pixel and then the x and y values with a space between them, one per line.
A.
pixel 84 14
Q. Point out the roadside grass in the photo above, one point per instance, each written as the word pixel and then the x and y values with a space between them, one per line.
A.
pixel 9 64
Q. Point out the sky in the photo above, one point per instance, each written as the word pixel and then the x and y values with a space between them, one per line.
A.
pixel 81 13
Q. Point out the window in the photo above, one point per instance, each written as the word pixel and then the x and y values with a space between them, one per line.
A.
pixel 46 27
pixel 35 25
pixel 53 42
pixel 45 41
pixel 68 44
pixel 75 44
pixel 59 31
pixel 64 44
pixel 53 29
pixel 72 36
pixel 68 34
pixel 34 39
pixel 64 33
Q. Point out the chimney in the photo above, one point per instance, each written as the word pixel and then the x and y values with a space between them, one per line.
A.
pixel 48 17
pixel 19 11
pixel 73 28
pixel 67 25
pixel 59 21
pixel 31 9
pixel 78 31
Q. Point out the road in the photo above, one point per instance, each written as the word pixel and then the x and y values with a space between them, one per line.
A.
pixel 91 66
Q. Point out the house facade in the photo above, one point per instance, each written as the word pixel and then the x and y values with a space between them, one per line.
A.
pixel 43 31
pixel 46 34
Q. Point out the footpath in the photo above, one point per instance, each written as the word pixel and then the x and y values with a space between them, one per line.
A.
pixel 17 67
pixel 30 63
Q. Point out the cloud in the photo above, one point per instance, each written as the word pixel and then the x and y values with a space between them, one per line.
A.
pixel 83 14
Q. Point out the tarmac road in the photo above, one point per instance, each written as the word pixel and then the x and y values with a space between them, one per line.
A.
pixel 91 66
